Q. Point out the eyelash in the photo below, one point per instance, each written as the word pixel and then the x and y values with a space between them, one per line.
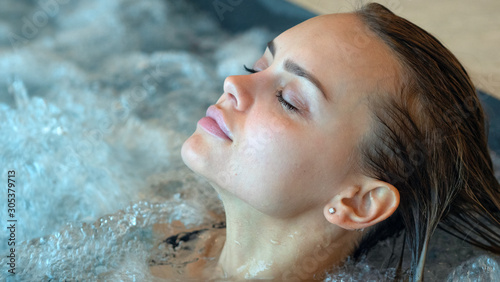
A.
pixel 285 104
pixel 279 94
pixel 250 70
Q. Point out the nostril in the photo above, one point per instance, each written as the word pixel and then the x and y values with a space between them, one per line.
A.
pixel 235 87
pixel 233 99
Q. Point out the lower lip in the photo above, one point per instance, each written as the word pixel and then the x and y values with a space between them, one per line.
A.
pixel 212 127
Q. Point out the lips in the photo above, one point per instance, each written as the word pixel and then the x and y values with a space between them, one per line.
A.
pixel 214 123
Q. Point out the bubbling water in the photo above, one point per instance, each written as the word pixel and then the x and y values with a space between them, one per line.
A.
pixel 95 104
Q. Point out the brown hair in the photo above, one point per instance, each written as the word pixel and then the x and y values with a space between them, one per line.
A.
pixel 429 141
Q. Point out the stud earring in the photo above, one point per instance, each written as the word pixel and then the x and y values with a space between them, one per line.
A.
pixel 331 210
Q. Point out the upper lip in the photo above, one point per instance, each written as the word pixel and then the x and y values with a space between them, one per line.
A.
pixel 214 113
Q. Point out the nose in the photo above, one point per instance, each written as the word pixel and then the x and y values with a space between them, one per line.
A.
pixel 238 89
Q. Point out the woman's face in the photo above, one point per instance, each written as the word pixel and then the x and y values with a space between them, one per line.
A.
pixel 294 124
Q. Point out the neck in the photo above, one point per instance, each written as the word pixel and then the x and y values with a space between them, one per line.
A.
pixel 262 247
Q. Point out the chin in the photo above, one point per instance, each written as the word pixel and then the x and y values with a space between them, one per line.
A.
pixel 208 158
pixel 191 153
pixel 199 155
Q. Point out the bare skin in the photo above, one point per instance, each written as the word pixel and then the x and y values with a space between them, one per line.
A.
pixel 292 151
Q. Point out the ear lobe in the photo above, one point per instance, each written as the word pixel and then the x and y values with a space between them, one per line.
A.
pixel 361 207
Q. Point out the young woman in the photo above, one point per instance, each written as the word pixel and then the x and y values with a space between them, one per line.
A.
pixel 349 129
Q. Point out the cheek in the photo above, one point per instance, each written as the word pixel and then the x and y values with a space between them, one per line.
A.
pixel 267 144
pixel 263 131
pixel 276 167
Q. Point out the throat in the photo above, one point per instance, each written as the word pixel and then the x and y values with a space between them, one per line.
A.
pixel 281 254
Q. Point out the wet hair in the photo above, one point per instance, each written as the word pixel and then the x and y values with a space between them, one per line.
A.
pixel 429 140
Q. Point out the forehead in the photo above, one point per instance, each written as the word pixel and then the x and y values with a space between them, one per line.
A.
pixel 341 51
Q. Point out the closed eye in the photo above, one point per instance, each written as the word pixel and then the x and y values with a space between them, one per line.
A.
pixel 279 94
pixel 285 104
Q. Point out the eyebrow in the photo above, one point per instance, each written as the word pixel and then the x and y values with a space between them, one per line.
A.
pixel 294 68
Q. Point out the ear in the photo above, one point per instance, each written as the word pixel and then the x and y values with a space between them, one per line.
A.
pixel 358 207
